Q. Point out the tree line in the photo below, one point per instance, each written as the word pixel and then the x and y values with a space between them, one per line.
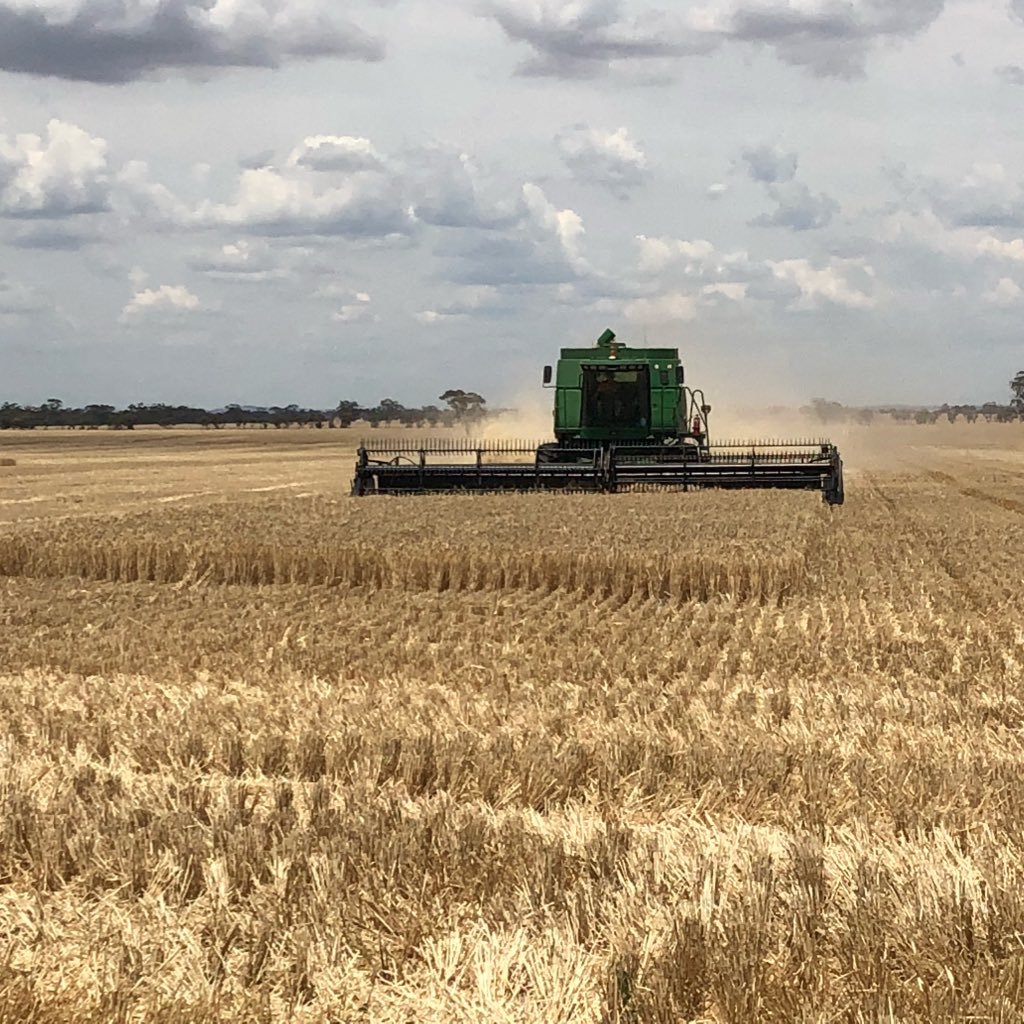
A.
pixel 459 407
pixel 991 412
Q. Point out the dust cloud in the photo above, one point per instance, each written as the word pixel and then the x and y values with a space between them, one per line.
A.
pixel 530 419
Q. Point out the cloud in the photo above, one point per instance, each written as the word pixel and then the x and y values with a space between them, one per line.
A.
pixel 1012 250
pixel 483 300
pixel 358 311
pixel 1006 292
pixel 1012 74
pixel 819 286
pixel 343 186
pixel 583 38
pixel 770 164
pixel 17 299
pixel 166 301
pixel 541 247
pixel 249 261
pixel 675 268
pixel 673 305
pixel 986 197
pixel 346 153
pixel 658 253
pixel 828 38
pixel 448 190
pixel 611 159
pixel 798 208
pixel 271 202
pixel 122 40
pixel 53 237
pixel 61 175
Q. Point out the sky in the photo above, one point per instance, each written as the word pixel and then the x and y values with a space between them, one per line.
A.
pixel 266 202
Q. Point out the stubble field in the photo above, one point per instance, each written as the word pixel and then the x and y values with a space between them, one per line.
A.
pixel 271 753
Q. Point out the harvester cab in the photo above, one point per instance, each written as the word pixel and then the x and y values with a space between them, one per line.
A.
pixel 611 393
pixel 624 419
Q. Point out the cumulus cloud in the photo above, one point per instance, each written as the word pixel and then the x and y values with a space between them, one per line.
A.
pixel 769 164
pixel 336 153
pixel 1005 292
pixel 673 305
pixel 343 186
pixel 123 40
pixel 357 311
pixel 271 202
pixel 165 301
pixel 658 253
pixel 245 260
pixel 673 269
pixel 829 38
pixel 541 247
pixel 448 190
pixel 827 285
pixel 611 159
pixel 583 38
pixel 59 175
pixel 987 196
pixel 1011 250
pixel 148 199
pixel 797 207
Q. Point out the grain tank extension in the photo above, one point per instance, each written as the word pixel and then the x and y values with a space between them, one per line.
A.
pixel 625 419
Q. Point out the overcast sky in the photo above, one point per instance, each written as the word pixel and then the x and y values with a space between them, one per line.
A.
pixel 267 201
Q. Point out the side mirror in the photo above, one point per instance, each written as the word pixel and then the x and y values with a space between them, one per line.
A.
pixel 680 378
pixel 705 409
pixel 547 374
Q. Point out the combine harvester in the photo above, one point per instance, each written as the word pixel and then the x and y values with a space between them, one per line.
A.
pixel 624 420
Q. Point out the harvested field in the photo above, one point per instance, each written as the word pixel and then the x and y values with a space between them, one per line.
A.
pixel 271 753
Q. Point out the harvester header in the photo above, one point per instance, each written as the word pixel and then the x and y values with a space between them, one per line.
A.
pixel 624 418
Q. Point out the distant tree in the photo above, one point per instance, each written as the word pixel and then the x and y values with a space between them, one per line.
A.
pixel 825 411
pixel 466 405
pixel 11 415
pixel 390 411
pixel 1017 387
pixel 431 415
pixel 98 415
pixel 233 413
pixel 51 412
pixel 347 411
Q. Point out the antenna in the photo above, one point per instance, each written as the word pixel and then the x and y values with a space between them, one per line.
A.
pixel 645 335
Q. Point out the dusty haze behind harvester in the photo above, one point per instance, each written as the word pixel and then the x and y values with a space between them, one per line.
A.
pixel 624 418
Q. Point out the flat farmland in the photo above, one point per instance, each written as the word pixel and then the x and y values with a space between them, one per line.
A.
pixel 271 753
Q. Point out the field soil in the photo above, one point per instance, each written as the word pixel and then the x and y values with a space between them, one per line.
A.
pixel 272 753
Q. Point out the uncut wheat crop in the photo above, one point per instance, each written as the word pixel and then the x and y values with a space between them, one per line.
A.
pixel 271 753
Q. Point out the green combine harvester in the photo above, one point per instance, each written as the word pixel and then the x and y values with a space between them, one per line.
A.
pixel 625 419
